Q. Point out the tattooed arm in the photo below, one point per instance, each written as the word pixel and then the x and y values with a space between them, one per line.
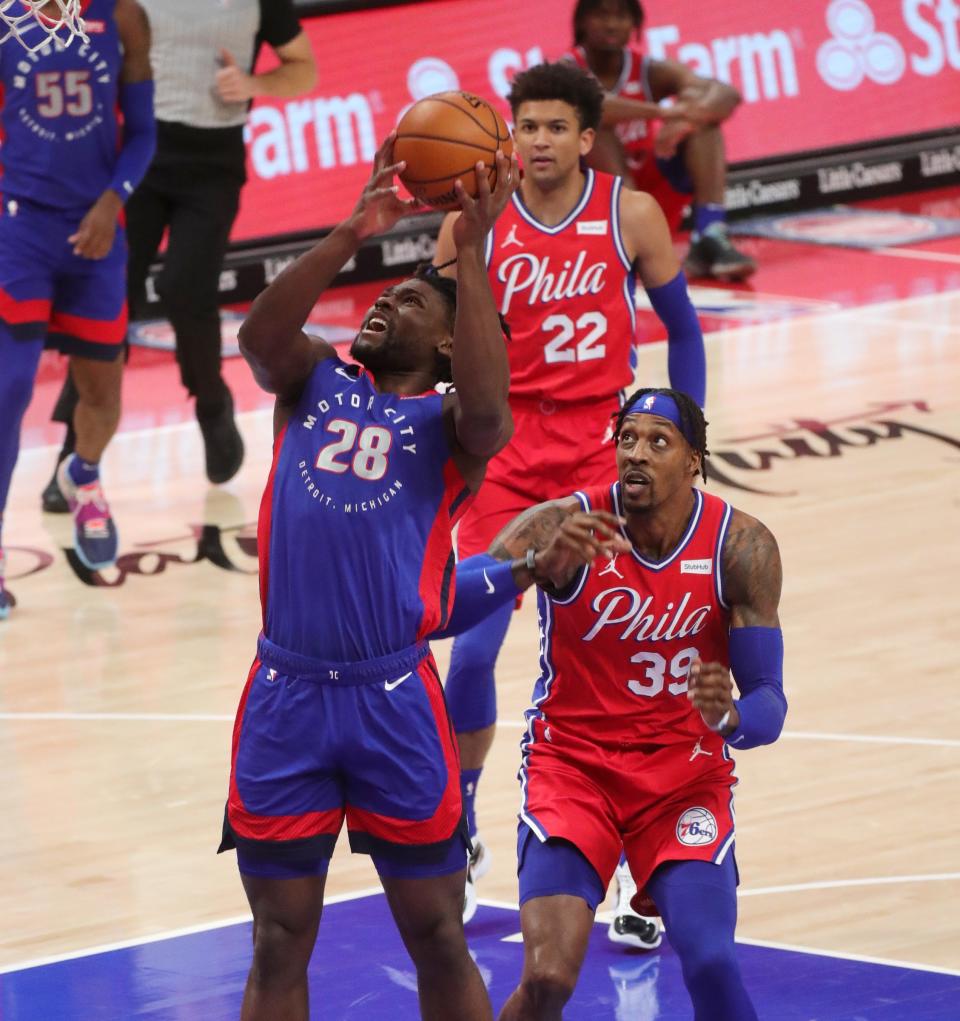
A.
pixel 752 578
pixel 751 572
pixel 563 537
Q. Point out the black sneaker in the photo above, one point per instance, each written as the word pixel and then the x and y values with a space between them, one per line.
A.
pixel 712 255
pixel 222 443
pixel 52 499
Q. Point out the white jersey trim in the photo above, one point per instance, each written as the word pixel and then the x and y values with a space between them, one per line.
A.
pixel 659 565
pixel 615 223
pixel 580 579
pixel 718 556
pixel 530 219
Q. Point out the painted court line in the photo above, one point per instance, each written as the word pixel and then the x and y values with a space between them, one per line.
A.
pixel 909 253
pixel 803 735
pixel 808 735
pixel 837 884
pixel 838 955
pixel 122 717
pixel 158 937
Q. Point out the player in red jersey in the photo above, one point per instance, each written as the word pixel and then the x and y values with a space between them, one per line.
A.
pixel 673 150
pixel 627 740
pixel 561 262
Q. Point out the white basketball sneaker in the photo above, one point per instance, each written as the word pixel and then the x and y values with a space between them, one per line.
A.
pixel 477 867
pixel 629 928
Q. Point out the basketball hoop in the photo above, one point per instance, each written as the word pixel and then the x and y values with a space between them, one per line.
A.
pixel 18 15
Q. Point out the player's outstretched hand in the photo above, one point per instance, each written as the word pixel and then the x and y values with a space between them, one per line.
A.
pixel 581 537
pixel 479 214
pixel 710 689
pixel 94 237
pixel 380 206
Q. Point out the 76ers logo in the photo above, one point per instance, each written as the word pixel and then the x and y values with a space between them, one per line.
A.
pixel 696 827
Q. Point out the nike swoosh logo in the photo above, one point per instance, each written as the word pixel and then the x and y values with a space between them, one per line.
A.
pixel 490 587
pixel 390 685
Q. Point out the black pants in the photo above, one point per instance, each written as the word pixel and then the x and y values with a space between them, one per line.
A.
pixel 192 190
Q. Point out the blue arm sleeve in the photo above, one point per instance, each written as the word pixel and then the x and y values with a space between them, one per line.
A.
pixel 139 137
pixel 686 360
pixel 483 585
pixel 756 659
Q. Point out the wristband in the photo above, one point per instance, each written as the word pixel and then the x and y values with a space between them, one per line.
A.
pixel 724 720
pixel 530 562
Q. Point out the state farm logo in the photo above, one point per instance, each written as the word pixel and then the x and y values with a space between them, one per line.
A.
pixel 321 132
pixel 857 50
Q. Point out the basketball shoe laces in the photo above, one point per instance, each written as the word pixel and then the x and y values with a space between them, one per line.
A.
pixel 92 510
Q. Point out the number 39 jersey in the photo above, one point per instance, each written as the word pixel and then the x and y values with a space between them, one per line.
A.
pixel 616 646
pixel 59 114
pixel 356 557
pixel 567 293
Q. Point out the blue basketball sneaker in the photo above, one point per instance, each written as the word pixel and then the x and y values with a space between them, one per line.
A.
pixel 94 533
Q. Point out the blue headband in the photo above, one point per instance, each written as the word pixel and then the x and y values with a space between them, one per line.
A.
pixel 663 406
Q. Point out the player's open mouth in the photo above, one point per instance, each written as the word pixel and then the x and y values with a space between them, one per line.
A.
pixel 635 482
pixel 375 324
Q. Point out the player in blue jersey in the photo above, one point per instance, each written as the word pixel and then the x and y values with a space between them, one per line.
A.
pixel 342 717
pixel 68 167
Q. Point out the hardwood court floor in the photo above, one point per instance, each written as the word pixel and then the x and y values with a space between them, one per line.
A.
pixel 840 429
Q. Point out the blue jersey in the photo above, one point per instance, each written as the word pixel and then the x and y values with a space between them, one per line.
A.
pixel 59 119
pixel 356 555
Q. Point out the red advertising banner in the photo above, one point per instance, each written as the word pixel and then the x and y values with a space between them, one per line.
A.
pixel 812 75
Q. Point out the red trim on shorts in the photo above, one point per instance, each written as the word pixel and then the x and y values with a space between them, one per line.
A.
pixel 93 331
pixel 28 310
pixel 251 826
pixel 264 525
pixel 442 825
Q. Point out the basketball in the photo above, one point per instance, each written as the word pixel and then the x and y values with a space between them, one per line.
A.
pixel 441 138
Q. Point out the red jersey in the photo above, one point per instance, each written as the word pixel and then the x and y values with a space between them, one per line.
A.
pixel 567 293
pixel 617 645
pixel 635 136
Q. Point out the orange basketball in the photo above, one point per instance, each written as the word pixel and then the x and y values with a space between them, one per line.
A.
pixel 441 138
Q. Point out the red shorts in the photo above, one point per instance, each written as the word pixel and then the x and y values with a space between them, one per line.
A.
pixel 649 176
pixel 659 803
pixel 556 449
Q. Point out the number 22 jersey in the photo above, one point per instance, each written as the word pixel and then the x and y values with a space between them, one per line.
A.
pixel 567 293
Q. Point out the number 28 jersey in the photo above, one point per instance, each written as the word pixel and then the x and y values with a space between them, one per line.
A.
pixel 567 293
pixel 617 644
pixel 356 556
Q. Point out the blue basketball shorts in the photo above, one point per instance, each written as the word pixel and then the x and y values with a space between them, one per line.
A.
pixel 317 743
pixel 47 294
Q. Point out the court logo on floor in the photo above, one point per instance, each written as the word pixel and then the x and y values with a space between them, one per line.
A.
pixel 850 228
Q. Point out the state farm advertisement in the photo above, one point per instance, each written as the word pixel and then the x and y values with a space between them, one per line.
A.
pixel 812 75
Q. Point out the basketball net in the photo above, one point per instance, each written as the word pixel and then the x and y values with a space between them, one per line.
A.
pixel 18 15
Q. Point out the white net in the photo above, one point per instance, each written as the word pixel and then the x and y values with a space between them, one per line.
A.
pixel 49 16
